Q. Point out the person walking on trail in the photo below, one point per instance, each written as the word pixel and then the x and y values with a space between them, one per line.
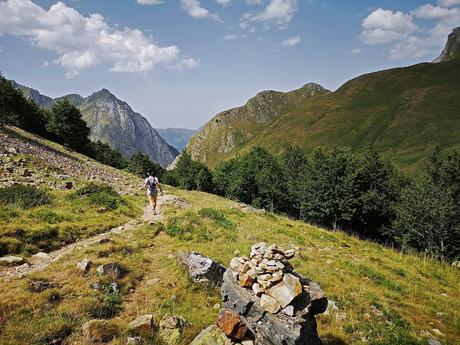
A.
pixel 152 184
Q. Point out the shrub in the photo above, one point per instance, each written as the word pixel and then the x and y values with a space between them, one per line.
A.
pixel 99 195
pixel 9 245
pixel 217 216
pixel 106 302
pixel 24 197
pixel 49 216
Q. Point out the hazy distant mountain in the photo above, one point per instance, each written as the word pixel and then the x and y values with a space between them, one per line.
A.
pixel 177 137
pixel 114 122
pixel 402 112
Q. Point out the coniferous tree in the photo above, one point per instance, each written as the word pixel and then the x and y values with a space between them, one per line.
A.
pixel 204 180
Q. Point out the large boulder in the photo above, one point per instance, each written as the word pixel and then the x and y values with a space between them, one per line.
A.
pixel 276 329
pixel 202 269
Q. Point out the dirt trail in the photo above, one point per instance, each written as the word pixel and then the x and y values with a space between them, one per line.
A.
pixel 39 263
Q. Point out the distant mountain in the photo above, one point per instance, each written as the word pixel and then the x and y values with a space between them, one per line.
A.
pixel 114 122
pixel 402 112
pixel 234 129
pixel 177 137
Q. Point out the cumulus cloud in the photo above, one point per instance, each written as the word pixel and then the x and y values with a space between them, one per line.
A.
pixel 384 26
pixel 278 12
pixel 403 38
pixel 195 9
pixel 291 41
pixel 81 42
pixel 149 2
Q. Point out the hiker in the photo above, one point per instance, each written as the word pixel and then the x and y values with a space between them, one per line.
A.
pixel 152 184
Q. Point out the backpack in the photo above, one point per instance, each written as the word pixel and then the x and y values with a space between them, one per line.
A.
pixel 152 185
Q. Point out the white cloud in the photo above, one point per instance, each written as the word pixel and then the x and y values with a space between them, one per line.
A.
pixel 291 41
pixel 188 63
pixel 355 51
pixel 384 26
pixel 149 2
pixel 231 37
pixel 81 42
pixel 278 12
pixel 195 9
pixel 449 3
pixel 224 2
pixel 404 37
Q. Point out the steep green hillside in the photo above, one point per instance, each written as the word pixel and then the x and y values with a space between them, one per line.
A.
pixel 403 112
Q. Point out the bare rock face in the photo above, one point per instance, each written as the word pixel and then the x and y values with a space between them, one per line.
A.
pixel 202 269
pixel 452 49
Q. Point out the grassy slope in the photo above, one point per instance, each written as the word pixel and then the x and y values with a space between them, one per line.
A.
pixel 402 294
pixel 403 112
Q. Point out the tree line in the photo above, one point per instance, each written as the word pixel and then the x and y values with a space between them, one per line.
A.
pixel 361 193
pixel 63 124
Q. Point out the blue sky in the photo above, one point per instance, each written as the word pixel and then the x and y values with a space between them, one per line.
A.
pixel 179 62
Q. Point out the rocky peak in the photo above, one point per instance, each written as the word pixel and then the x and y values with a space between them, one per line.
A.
pixel 102 94
pixel 312 88
pixel 452 48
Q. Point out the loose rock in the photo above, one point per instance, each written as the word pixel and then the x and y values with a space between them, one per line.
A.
pixel 202 269
pixel 142 325
pixel 113 269
pixel 11 260
pixel 84 265
pixel 230 323
pixel 40 285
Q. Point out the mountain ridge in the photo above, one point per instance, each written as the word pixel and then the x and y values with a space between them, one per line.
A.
pixel 403 112
pixel 113 121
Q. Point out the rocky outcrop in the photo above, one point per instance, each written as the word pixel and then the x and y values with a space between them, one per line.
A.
pixel 114 122
pixel 202 269
pixel 275 303
pixel 452 49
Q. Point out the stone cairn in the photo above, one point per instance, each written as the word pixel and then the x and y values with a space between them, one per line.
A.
pixel 265 300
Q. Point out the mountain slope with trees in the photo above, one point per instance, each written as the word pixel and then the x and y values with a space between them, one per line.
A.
pixel 403 112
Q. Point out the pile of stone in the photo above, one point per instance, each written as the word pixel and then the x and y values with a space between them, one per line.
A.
pixel 266 301
pixel 268 273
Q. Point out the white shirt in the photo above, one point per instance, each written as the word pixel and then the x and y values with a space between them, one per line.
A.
pixel 153 180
